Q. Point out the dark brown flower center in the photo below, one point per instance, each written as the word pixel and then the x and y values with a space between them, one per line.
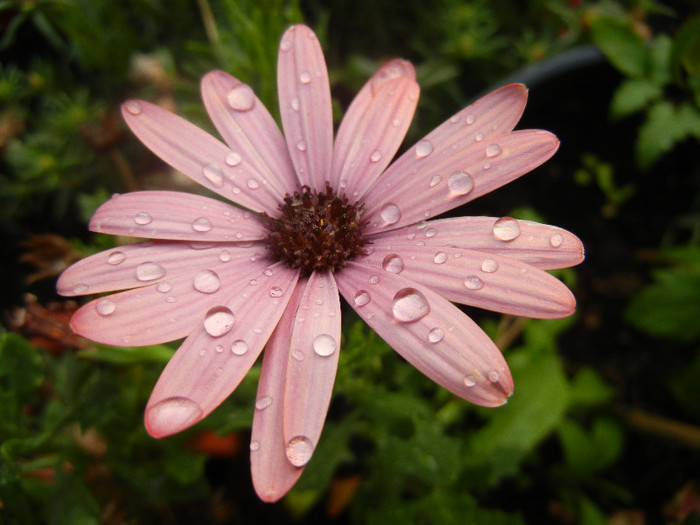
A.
pixel 316 231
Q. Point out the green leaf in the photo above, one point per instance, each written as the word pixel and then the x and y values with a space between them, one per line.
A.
pixel 21 366
pixel 587 389
pixel 634 95
pixel 685 56
pixel 590 451
pixel 72 503
pixel 656 134
pixel 621 44
pixel 129 355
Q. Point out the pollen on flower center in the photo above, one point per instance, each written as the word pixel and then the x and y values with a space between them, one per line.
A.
pixel 316 231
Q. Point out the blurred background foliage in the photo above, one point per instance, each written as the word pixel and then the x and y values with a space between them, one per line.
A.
pixel 605 423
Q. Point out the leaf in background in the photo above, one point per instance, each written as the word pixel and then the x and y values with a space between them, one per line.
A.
pixel 588 451
pixel 656 134
pixel 129 355
pixel 621 44
pixel 588 389
pixel 685 57
pixel 634 95
pixel 685 386
pixel 21 368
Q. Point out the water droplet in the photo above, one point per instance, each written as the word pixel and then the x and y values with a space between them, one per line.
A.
pixel 239 347
pixel 149 271
pixel 201 224
pixel 556 240
pixel 470 119
pixel 472 282
pixel 506 229
pixel 263 402
pixel 115 258
pixel 409 305
pixel 295 104
pixel 105 307
pixel 225 256
pixel 479 137
pixel 252 184
pixel 219 321
pixel 298 355
pixel 134 107
pixel 493 150
pixel 375 156
pixel 489 265
pixel 393 263
pixel 171 415
pixel 436 335
pixel 206 281
pixel 267 272
pixel 423 149
pixel 285 45
pixel 143 218
pixel 214 175
pixel 324 345
pixel 373 280
pixel 299 451
pixel 219 349
pixel 460 183
pixel 164 287
pixel 390 213
pixel 494 376
pixel 470 381
pixel 430 232
pixel 275 291
pixel 233 158
pixel 434 181
pixel 254 445
pixel 440 258
pixel 301 145
pixel 362 298
pixel 241 98
pixel 305 77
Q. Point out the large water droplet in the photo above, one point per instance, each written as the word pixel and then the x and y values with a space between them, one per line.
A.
pixel 489 265
pixel 472 282
pixel 470 381
pixel 233 159
pixel 493 150
pixel 171 415
pixel 254 445
pixel 324 345
pixel 149 271
pixel 436 335
pixel 201 224
pixel 285 45
pixel 206 281
pixel 393 263
pixel 115 258
pixel 440 258
pixel 470 119
pixel 362 298
pixel 142 218
pixel 263 402
pixel 299 451
pixel 556 240
pixel 409 305
pixel 241 98
pixel 105 307
pixel 423 149
pixel 239 347
pixel 214 175
pixel 506 229
pixel 390 213
pixel 375 156
pixel 305 77
pixel 134 107
pixel 252 184
pixel 219 321
pixel 460 183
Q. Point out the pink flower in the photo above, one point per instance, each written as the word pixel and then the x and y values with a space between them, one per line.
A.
pixel 314 217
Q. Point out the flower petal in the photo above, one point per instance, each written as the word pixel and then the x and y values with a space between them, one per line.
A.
pixel 313 362
pixel 259 153
pixel 177 216
pixel 273 474
pixel 194 152
pixel 540 245
pixel 170 308
pixel 429 332
pixel 487 281
pixel 441 179
pixel 374 127
pixel 218 354
pixel 305 105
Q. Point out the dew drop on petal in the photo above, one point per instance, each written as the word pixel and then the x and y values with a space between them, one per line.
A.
pixel 164 287
pixel 206 281
pixel 214 175
pixel 493 376
pixel 470 381
pixel 225 256
pixel 556 240
pixel 301 145
pixel 149 271
pixel 295 104
pixel 239 347
pixel 241 98
pixel 493 150
pixel 373 280
pixel 80 289
pixel 423 149
pixel 299 451
pixel 489 265
pixel 460 183
pixel 134 107
pixel 305 77
pixel 409 305
pixel 390 213
pixel 470 119
pixel 201 224
pixel 219 321
pixel 275 291
pixel 440 258
pixel 105 307
pixel 263 402
pixel 362 298
pixel 435 180
pixel 436 335
pixel 472 282
pixel 172 415
pixel 479 137
pixel 254 445
pixel 393 263
pixel 324 345
pixel 142 218
pixel 233 159
pixel 115 258
pixel 506 229
pixel 252 184
pixel 375 156
pixel 285 45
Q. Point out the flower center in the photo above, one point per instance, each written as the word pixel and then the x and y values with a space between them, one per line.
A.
pixel 316 231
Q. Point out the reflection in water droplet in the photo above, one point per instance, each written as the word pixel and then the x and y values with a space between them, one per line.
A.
pixel 299 451
pixel 285 45
pixel 373 280
pixel 276 291
pixel 219 321
pixel 489 265
pixel 115 258
pixel 423 149
pixel 479 137
pixel 239 347
pixel 105 307
pixel 460 183
pixel 134 107
pixel 142 218
pixel 409 305
pixel 435 180
pixel 506 229
pixel 375 156
pixel 254 445
pixel 493 150
pixel 172 415
pixel 470 119
pixel 440 258
pixel 390 213
pixel 214 175
pixel 393 263
pixel 206 281
pixel 470 381
pixel 225 256
pixel 149 271
pixel 241 98
pixel 436 335
pixel 494 376
pixel 164 287
pixel 324 345
pixel 305 77
pixel 556 240
pixel 362 298
pixel 202 224
pixel 472 282
pixel 233 159
pixel 252 184
pixel 263 402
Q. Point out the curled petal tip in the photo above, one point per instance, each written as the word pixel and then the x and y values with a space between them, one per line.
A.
pixel 171 415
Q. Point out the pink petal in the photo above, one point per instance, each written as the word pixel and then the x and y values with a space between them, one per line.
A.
pixel 305 105
pixel 446 178
pixel 136 265
pixel 540 245
pixel 311 368
pixel 487 281
pixel 170 308
pixel 218 354
pixel 177 216
pixel 379 115
pixel 195 153
pixel 258 151
pixel 273 474
pixel 429 332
